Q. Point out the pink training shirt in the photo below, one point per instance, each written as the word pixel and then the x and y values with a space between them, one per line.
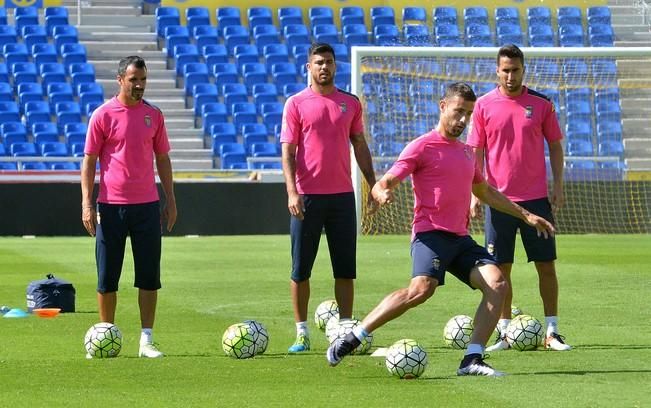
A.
pixel 512 131
pixel 443 172
pixel 125 138
pixel 321 126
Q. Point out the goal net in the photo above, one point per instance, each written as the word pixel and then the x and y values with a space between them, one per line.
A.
pixel 602 100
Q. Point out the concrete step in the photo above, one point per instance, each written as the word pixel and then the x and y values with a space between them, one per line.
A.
pixel 623 30
pixel 91 3
pixel 192 164
pixel 191 154
pixel 185 133
pixel 154 92
pixel 179 123
pixel 97 19
pixel 632 43
pixel 99 53
pixel 85 29
pixel 636 106
pixel 122 46
pixel 627 18
pixel 171 107
pixel 126 35
pixel 633 125
pixel 111 86
pixel 641 164
pixel 111 66
pixel 105 10
pixel 638 144
pixel 186 144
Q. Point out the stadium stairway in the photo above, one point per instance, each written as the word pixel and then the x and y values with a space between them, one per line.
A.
pixel 631 30
pixel 112 29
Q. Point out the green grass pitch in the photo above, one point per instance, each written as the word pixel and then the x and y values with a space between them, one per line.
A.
pixel 212 282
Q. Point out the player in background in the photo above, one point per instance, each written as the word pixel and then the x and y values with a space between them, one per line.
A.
pixel 444 173
pixel 510 127
pixel 125 134
pixel 320 124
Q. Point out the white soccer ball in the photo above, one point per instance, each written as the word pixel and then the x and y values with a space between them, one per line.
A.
pixel 406 359
pixel 457 332
pixel 260 336
pixel 343 328
pixel 331 328
pixel 103 340
pixel 524 333
pixel 238 341
pixel 324 312
pixel 515 311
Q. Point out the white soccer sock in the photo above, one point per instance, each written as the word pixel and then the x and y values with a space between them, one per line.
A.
pixel 502 324
pixel 475 349
pixel 552 324
pixel 360 332
pixel 146 336
pixel 301 329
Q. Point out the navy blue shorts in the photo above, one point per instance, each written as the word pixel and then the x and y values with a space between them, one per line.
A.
pixel 501 229
pixel 336 213
pixel 142 223
pixel 434 252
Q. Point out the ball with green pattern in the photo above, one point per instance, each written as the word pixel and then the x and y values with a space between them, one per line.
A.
pixel 458 331
pixel 406 359
pixel 324 312
pixel 524 333
pixel 103 340
pixel 238 341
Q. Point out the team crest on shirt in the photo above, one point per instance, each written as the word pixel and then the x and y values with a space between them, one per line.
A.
pixel 343 107
pixel 147 120
pixel 528 111
pixel 491 249
pixel 436 263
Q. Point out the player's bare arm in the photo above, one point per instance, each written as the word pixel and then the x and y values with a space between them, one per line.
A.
pixel 383 190
pixel 88 215
pixel 294 200
pixel 475 203
pixel 164 168
pixel 556 159
pixel 365 163
pixel 497 200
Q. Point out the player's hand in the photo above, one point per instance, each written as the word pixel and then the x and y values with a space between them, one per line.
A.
pixel 371 204
pixel 89 219
pixel 296 206
pixel 170 214
pixel 542 226
pixel 382 195
pixel 475 206
pixel 558 197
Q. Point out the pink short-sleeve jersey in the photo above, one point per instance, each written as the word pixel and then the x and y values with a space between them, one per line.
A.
pixel 442 172
pixel 321 126
pixel 125 138
pixel 512 131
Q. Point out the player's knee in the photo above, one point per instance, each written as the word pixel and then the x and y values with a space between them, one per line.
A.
pixel 421 291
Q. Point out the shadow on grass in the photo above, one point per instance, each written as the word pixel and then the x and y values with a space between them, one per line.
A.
pixel 614 347
pixel 581 372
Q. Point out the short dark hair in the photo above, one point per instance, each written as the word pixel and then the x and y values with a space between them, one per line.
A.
pixel 510 51
pixel 460 89
pixel 134 60
pixel 321 48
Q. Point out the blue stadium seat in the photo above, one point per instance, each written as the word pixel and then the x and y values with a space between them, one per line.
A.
pixel 8 35
pixel 475 15
pixel 34 35
pixel 42 138
pixel 63 166
pixel 223 132
pixel 194 73
pixel 14 53
pixel 244 112
pixel 185 54
pixel 579 148
pixel 265 149
pixel 541 35
pixel 233 160
pixel 264 34
pixel 424 89
pixel 264 93
pixel 458 66
pixel 320 15
pixel 37 111
pixel 225 74
pixel 479 35
pixel 42 53
pixel 81 73
pixel 23 149
pixel 28 92
pixel 283 73
pixel 3 16
pixel 570 36
pixel 232 148
pixel 390 149
pixel 507 15
pixel 539 15
pixel 609 130
pixel 73 53
pixel 414 15
pixel 254 73
pixel 52 72
pixel 24 16
pixel 325 33
pixel 351 15
pixel 416 35
pixel 67 112
pixel 485 68
pixel 74 133
pixel 214 54
pixel 610 148
pixel 64 34
pixel 212 113
pixel 508 33
pixel 9 112
pixel 6 92
pixel 228 16
pixel 599 15
pixel 13 132
pixel 272 114
pixel 166 16
pixel 202 94
pixel 253 133
pixel 386 34
pixel 575 72
pixel 8 166
pixel 53 149
pixel 296 34
pixel 341 52
pixel 569 15
pixel 275 53
pixel 355 34
pixel 175 35
pixel 447 35
pixel 381 15
pixel 77 150
pixel 219 140
pixel 293 88
pixel 45 131
pixel 260 15
pixel 290 15
pixel 445 15
pixel 205 35
pixel 197 16
pixel 601 35
pixel 245 54
pixel 235 35
pixel 579 130
pixel 59 92
pixel 34 166
pixel 234 93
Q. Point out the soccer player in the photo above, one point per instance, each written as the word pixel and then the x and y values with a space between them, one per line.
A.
pixel 320 124
pixel 444 173
pixel 510 127
pixel 125 134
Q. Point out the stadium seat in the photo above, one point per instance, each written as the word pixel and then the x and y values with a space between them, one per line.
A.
pixel 341 52
pixel 24 149
pixel 426 89
pixel 63 166
pixel 254 73
pixel 351 15
pixel 244 112
pixel 9 112
pixel 601 35
pixel 570 36
pixel 74 133
pixel 203 93
pixel 445 15
pixel 579 148
pixel 416 35
pixel 64 34
pixel 325 33
pixel 579 130
pixel 8 166
pixel 264 149
pixel 53 149
pixel 175 35
pixel 13 132
pixel 320 15
pixel 246 54
pixel 81 73
pixel 42 53
pixel 447 34
pixel 479 35
pixel 264 34
pixel 29 91
pixel 386 34
pixel 296 34
pixel 13 138
pixel 37 111
pixel 234 93
pixel 355 34
pixel 214 54
pixel 67 112
pixel 52 72
pixel 272 114
pixel 34 35
pixel 610 148
pixel 290 15
pixel 283 73
pixel 196 16
pixel 232 148
pixel 253 133
pixel 275 53
pixel 73 53
pixel 6 92
pixel 293 88
pixel 507 15
pixel 59 92
pixel 539 15
pixel 475 15
pixel 264 93
pixel 569 15
pixel 212 113
pixel 228 16
pixel 609 130
pixel 194 73
pixel 225 74
pixel 45 131
pixel 34 166
pixel 185 54
pixel 223 132
pixel 599 15
pixel 414 15
pixel 260 15
pixel 218 141
pixel 166 16
pixel 381 15
pixel 8 35
pixel 205 35
pixel 24 16
pixel 575 72
pixel 235 35
pixel 3 16
pixel 14 53
pixel 508 33
pixel 541 35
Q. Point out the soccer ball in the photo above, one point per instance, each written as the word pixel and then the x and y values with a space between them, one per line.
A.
pixel 406 359
pixel 324 312
pixel 457 332
pixel 524 333
pixel 103 340
pixel 331 328
pixel 238 341
pixel 343 328
pixel 515 311
pixel 260 336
